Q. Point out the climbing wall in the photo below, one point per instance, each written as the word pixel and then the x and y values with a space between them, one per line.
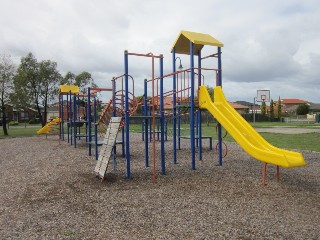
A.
pixel 108 144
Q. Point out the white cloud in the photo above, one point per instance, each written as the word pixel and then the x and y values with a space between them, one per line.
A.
pixel 268 44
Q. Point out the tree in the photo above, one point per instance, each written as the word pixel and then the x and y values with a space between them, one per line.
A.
pixel 279 109
pixel 49 77
pixel 210 91
pixel 271 110
pixel 82 80
pixel 36 84
pixel 7 71
pixel 303 109
pixel 263 108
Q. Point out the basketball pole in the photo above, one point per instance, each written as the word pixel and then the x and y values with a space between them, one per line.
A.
pixel 254 111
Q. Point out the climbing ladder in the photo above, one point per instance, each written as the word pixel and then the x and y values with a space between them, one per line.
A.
pixel 108 144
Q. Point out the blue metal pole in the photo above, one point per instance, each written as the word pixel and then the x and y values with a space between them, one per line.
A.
pixel 69 115
pixel 95 128
pixel 219 125
pixel 62 116
pixel 89 122
pixel 174 123
pixel 71 119
pixel 199 111
pixel 74 120
pixel 192 137
pixel 126 102
pixel 146 121
pixel 163 161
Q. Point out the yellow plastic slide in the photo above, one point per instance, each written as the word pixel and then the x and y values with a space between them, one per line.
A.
pixel 48 127
pixel 247 137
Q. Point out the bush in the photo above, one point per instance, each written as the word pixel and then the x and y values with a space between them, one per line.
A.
pixel 303 109
pixel 34 121
pixel 13 123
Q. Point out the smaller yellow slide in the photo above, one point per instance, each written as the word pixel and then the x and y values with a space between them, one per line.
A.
pixel 48 127
pixel 247 137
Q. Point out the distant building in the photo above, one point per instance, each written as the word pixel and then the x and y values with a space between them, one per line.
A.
pixel 315 108
pixel 168 104
pixel 290 102
pixel 242 109
pixel 19 115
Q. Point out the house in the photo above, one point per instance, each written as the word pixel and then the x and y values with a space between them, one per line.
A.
pixel 53 111
pixel 290 102
pixel 242 109
pixel 19 115
pixel 289 106
pixel 168 104
pixel 314 108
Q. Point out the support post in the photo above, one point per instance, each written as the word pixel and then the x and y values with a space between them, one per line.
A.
pixel 146 121
pixel 75 120
pixel 192 136
pixel 163 162
pixel 114 113
pixel 95 128
pixel 89 122
pixel 199 120
pixel 126 103
pixel 219 125
pixel 174 122
pixel 264 174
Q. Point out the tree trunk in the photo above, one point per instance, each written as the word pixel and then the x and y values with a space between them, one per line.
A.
pixel 40 115
pixel 4 125
pixel 4 119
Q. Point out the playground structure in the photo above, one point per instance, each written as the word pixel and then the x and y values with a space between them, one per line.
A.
pixel 188 89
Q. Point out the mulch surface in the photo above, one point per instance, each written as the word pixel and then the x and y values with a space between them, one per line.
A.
pixel 49 191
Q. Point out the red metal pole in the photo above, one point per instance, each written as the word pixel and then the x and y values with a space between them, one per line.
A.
pixel 264 174
pixel 278 174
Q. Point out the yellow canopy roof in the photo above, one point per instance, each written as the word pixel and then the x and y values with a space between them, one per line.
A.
pixel 182 44
pixel 67 88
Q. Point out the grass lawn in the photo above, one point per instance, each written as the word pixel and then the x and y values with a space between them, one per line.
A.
pixel 307 141
pixel 21 131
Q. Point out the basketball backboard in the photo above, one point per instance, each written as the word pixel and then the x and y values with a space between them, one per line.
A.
pixel 263 95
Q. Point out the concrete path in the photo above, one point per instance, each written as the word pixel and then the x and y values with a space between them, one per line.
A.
pixel 288 130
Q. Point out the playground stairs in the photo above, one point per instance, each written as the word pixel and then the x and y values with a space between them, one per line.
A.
pixel 48 128
pixel 107 147
pixel 105 115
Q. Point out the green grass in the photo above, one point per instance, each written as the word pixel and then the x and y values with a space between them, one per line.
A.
pixel 21 131
pixel 305 141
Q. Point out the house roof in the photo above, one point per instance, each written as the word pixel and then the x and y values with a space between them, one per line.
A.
pixel 238 106
pixel 293 101
pixel 314 106
pixel 182 43
pixel 168 103
pixel 244 103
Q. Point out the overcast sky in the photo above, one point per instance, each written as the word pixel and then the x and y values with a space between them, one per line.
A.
pixel 271 44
